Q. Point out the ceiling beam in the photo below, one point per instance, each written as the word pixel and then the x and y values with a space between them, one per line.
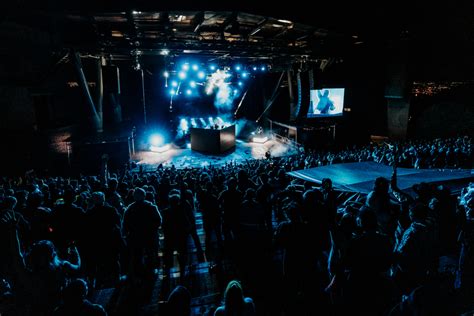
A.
pixel 258 28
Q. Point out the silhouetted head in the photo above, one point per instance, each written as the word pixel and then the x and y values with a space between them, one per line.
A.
pixel 381 185
pixel 98 198
pixel 233 298
pixel 418 212
pixel 75 292
pixel 179 302
pixel 367 219
pixel 139 195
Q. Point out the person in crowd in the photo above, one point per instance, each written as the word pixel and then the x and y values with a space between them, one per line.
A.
pixel 235 303
pixel 140 229
pixel 415 255
pixel 178 303
pixel 103 241
pixel 75 302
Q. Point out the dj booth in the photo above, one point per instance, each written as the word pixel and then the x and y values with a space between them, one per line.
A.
pixel 213 141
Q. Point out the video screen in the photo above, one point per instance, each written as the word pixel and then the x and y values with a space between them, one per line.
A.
pixel 326 102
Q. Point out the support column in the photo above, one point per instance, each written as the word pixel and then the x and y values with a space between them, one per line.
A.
pixel 95 120
pixel 291 94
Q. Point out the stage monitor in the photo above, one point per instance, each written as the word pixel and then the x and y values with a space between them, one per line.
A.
pixel 326 102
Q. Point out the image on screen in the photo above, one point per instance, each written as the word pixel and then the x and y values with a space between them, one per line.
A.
pixel 326 102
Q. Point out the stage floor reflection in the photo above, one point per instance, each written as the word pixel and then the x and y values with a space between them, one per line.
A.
pixel 187 158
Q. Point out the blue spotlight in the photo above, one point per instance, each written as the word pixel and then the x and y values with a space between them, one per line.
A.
pixel 192 84
pixel 174 83
pixel 166 74
pixel 263 68
pixel 185 67
pixel 183 125
pixel 201 75
pixel 245 75
pixel 236 91
pixel 157 140
pixel 240 83
pixel 212 67
pixel 172 92
pixel 189 92
pixel 238 68
pixel 188 145
pixel 182 75
pixel 195 67
pixel 254 68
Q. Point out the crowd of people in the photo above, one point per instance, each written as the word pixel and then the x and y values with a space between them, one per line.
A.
pixel 294 247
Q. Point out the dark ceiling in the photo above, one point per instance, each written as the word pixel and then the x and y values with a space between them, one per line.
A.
pixel 36 35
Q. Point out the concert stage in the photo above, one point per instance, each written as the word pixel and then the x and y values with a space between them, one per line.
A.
pixel 188 158
pixel 213 141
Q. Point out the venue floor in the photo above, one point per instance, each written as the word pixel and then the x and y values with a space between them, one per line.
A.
pixel 187 158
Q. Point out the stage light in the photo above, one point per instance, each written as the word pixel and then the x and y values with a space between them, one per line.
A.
pixel 263 68
pixel 166 74
pixel 172 92
pixel 238 68
pixel 240 83
pixel 188 145
pixel 182 75
pixel 174 83
pixel 254 68
pixel 192 84
pixel 201 75
pixel 236 91
pixel 195 67
pixel 212 67
pixel 189 92
pixel 193 122
pixel 245 75
pixel 165 52
pixel 183 125
pixel 211 121
pixel 156 140
pixel 185 67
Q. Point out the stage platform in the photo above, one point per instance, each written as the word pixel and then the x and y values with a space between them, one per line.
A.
pixel 359 176
pixel 187 158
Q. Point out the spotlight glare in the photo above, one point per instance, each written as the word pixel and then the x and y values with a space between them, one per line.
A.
pixel 238 67
pixel 240 83
pixel 172 92
pixel 201 75
pixel 212 67
pixel 245 75
pixel 166 74
pixel 189 92
pixel 195 67
pixel 174 83
pixel 182 75
pixel 263 68
pixel 254 68
pixel 156 140
pixel 185 67
pixel 236 91
pixel 192 84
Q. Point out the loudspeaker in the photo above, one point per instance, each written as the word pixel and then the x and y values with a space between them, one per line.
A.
pixel 111 77
pixel 397 81
pixel 87 157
